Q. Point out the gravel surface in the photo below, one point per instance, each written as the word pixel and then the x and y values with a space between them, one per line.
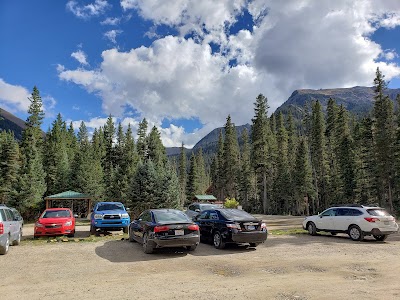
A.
pixel 284 267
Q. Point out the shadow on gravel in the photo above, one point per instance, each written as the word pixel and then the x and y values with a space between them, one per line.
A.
pixel 124 251
pixel 326 239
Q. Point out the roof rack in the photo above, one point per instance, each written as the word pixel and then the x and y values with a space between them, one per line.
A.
pixel 347 205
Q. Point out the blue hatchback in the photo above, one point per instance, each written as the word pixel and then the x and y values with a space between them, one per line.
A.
pixel 109 216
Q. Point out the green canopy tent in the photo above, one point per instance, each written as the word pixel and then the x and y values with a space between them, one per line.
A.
pixel 79 203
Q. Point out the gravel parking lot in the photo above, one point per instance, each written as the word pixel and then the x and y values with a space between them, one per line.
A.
pixel 285 267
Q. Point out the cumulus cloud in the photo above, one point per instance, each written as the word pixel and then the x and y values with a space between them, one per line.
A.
pixel 80 56
pixel 14 97
pixel 112 35
pixel 292 45
pixel 87 11
pixel 110 21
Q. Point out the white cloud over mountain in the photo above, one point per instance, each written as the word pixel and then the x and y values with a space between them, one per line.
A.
pixel 290 45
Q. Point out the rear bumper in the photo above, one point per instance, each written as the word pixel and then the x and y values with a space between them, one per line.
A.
pixel 176 241
pixel 250 237
pixel 377 231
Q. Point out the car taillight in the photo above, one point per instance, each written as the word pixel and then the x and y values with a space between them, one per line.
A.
pixel 161 228
pixel 193 227
pixel 371 220
pixel 1 228
pixel 235 226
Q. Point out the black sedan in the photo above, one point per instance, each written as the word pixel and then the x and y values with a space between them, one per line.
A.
pixel 158 228
pixel 222 226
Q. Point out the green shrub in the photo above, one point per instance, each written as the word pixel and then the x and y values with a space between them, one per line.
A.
pixel 231 203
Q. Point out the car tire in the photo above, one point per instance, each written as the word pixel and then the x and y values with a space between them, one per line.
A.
pixel 191 248
pixel 147 247
pixel 18 240
pixel 356 233
pixel 4 249
pixel 131 239
pixel 254 245
pixel 380 238
pixel 125 229
pixel 217 240
pixel 92 230
pixel 311 228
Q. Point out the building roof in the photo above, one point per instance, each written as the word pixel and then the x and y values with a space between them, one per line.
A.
pixel 69 195
pixel 205 197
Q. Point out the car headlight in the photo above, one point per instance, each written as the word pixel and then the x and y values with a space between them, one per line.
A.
pixel 68 223
pixel 124 216
pixel 98 216
pixel 37 224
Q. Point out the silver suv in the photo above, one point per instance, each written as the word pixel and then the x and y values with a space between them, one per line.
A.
pixel 355 220
pixel 10 229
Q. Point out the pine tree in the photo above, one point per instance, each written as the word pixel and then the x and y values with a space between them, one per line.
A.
pixel 142 143
pixel 231 159
pixel 182 176
pixel 259 137
pixel 219 169
pixel 192 187
pixel 202 173
pixel 156 150
pixel 246 179
pixel 384 141
pixel 32 185
pixel 109 162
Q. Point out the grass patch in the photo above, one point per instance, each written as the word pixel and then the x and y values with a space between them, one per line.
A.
pixel 65 239
pixel 287 231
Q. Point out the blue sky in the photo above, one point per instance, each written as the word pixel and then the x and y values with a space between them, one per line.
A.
pixel 186 64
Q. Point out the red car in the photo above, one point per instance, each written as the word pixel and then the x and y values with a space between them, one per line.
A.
pixel 55 221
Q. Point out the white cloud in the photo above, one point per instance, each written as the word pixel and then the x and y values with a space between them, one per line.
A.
pixel 292 45
pixel 80 56
pixel 14 98
pixel 110 21
pixel 75 107
pixel 87 11
pixel 112 35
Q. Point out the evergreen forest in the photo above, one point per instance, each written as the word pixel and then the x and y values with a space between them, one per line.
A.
pixel 282 166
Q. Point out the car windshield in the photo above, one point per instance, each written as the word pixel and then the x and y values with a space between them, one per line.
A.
pixel 378 212
pixel 110 206
pixel 62 213
pixel 170 216
pixel 207 206
pixel 236 214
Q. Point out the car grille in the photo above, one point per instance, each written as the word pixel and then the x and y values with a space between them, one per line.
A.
pixel 53 226
pixel 112 217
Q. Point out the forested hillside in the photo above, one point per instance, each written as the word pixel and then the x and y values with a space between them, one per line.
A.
pixel 332 158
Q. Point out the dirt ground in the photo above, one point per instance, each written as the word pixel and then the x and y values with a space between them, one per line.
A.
pixel 284 267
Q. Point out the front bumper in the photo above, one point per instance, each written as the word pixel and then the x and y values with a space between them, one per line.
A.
pixel 176 241
pixel 250 237
pixel 121 223
pixel 42 231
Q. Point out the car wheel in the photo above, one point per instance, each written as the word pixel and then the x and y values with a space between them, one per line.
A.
pixel 18 240
pixel 147 248
pixel 356 233
pixel 131 239
pixel 381 238
pixel 312 230
pixel 218 242
pixel 191 248
pixel 92 230
pixel 125 229
pixel 254 244
pixel 4 249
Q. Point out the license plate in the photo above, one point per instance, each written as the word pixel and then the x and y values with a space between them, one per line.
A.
pixel 179 232
pixel 251 227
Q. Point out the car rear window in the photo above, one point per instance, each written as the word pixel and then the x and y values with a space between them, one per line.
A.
pixel 378 212
pixel 170 216
pixel 56 214
pixel 236 214
pixel 2 215
pixel 207 206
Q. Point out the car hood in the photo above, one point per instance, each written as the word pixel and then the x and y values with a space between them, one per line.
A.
pixel 54 220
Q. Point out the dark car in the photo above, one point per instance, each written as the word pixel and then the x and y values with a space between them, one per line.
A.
pixel 195 209
pixel 158 228
pixel 223 226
